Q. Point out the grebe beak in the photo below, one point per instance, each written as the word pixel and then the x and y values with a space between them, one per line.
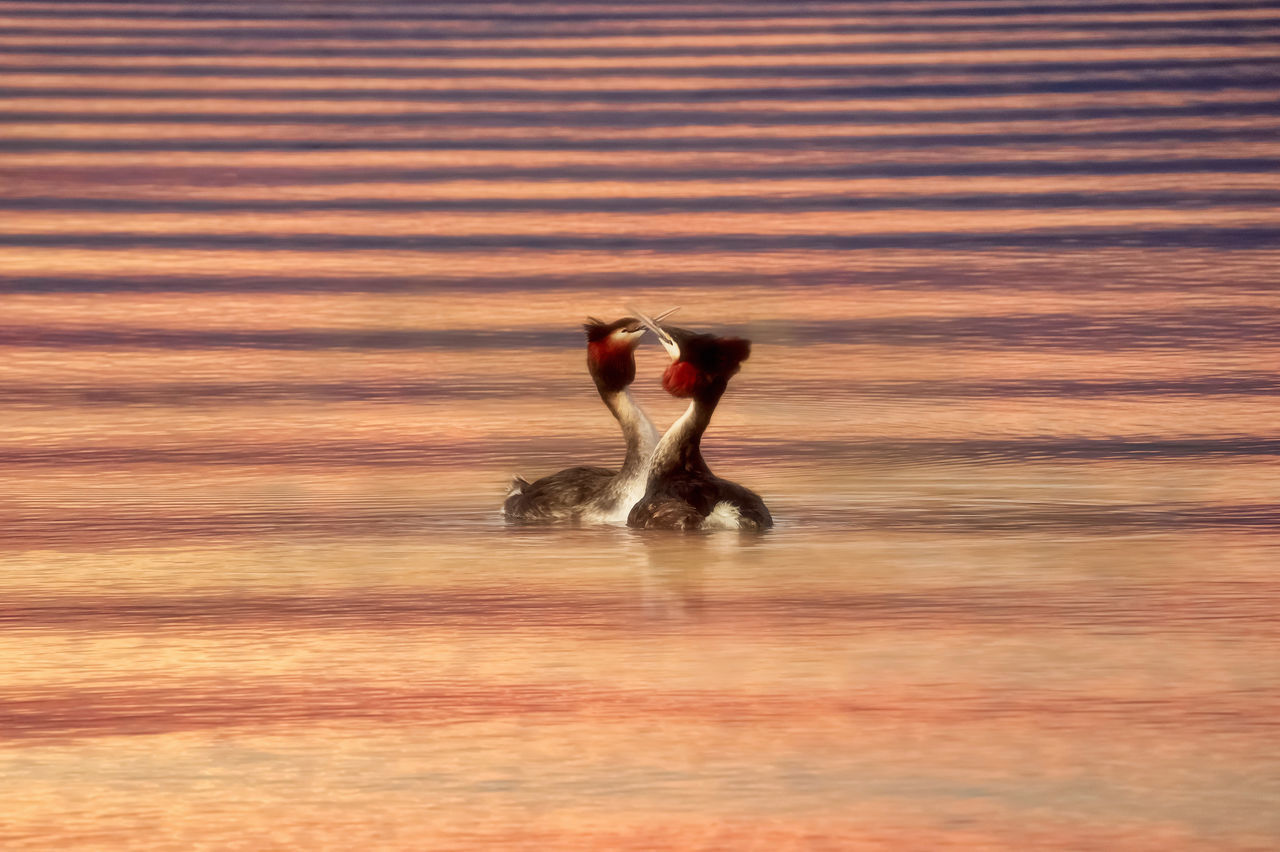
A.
pixel 668 342
pixel 636 328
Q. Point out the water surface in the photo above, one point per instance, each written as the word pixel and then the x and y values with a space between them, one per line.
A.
pixel 290 292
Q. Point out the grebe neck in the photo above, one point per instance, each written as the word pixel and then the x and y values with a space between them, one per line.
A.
pixel 637 429
pixel 681 447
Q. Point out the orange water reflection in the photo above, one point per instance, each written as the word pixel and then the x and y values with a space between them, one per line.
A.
pixel 288 296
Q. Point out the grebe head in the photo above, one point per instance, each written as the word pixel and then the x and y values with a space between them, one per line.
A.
pixel 611 350
pixel 699 362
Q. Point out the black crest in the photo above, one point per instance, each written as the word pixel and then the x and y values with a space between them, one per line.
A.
pixel 596 329
pixel 714 356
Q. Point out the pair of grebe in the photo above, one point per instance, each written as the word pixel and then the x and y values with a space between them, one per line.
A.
pixel 664 483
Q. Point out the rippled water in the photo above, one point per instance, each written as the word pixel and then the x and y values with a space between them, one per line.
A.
pixel 289 292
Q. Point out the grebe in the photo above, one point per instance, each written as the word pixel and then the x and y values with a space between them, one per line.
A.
pixel 682 493
pixel 597 495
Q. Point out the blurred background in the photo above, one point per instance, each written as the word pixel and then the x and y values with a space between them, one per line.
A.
pixel 289 291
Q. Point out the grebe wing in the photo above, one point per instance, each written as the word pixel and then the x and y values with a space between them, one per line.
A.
pixel 557 496
pixel 664 513
pixel 752 514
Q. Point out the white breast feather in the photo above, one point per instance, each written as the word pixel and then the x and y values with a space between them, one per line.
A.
pixel 725 516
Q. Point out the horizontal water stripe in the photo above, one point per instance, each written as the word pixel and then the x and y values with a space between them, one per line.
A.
pixel 151 524
pixel 222 705
pixel 582 71
pixel 39 139
pixel 521 160
pixel 550 450
pixel 1040 240
pixel 726 98
pixel 663 9
pixel 646 132
pixel 675 231
pixel 1258 77
pixel 54 45
pixel 31 60
pixel 905 270
pixel 839 110
pixel 726 203
pixel 659 30
pixel 485 608
pixel 451 152
pixel 606 31
pixel 339 76
pixel 674 15
pixel 1149 330
pixel 1194 386
pixel 461 388
pixel 624 128
pixel 177 187
pixel 618 30
pixel 908 269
